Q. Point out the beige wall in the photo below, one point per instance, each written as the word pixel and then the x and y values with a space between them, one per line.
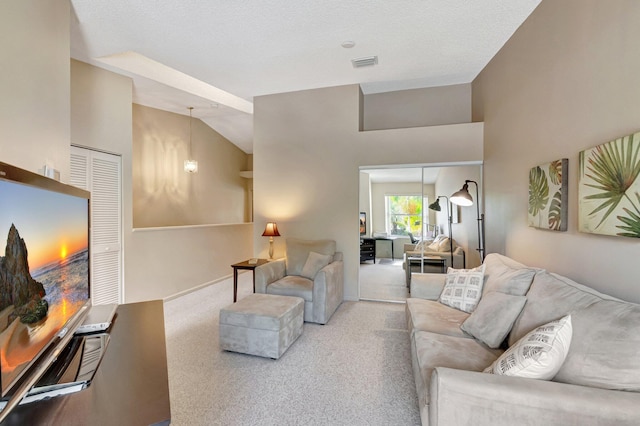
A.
pixel 49 102
pixel 34 87
pixel 307 154
pixel 165 195
pixel 567 80
pixel 158 263
pixel 431 106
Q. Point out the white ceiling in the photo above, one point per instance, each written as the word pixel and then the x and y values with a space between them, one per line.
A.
pixel 250 48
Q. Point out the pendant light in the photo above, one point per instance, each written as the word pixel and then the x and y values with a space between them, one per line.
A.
pixel 190 165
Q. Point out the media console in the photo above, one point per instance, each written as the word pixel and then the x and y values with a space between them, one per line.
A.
pixel 131 385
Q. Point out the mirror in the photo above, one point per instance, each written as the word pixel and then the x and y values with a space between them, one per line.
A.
pixel 402 228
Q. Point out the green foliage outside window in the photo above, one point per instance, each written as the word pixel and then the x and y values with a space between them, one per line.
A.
pixel 404 214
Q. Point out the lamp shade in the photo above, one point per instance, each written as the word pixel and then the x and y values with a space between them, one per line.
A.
pixel 462 197
pixel 271 230
pixel 435 205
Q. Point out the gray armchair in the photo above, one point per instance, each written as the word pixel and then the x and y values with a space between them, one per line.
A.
pixel 312 270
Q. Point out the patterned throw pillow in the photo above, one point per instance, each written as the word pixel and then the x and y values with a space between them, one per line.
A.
pixel 539 354
pixel 463 288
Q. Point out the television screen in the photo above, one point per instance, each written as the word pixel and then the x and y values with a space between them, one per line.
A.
pixel 363 223
pixel 44 269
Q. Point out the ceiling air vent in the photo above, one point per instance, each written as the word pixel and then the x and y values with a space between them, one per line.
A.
pixel 365 62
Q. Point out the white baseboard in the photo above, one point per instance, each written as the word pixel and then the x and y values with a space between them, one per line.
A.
pixel 196 288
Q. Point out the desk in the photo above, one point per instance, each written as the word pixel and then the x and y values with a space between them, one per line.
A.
pixel 390 239
pixel 131 386
pixel 245 266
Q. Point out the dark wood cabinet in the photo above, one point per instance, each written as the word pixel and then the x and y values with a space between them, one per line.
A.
pixel 367 249
pixel 131 385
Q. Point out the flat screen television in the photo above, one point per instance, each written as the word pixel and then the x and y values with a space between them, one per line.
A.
pixel 44 273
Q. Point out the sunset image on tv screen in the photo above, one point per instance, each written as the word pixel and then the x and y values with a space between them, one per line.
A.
pixel 44 273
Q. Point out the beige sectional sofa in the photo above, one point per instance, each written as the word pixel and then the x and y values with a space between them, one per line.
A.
pixel 597 383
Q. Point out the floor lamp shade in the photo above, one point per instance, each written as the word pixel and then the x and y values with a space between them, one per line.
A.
pixel 463 198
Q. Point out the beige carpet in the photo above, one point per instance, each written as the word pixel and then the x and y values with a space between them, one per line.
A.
pixel 384 280
pixel 356 370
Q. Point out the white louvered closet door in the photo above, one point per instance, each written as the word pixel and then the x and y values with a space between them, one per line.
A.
pixel 100 174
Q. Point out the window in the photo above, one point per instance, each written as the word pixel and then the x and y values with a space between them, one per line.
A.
pixel 404 214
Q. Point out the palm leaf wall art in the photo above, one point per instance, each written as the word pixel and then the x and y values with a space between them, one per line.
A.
pixel 608 189
pixel 548 187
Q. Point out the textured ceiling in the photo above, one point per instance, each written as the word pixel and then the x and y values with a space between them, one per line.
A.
pixel 253 48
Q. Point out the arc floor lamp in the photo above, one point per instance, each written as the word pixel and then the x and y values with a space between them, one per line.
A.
pixel 463 198
pixel 436 206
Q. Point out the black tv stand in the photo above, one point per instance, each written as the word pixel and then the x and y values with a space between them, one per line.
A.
pixel 367 249
pixel 130 386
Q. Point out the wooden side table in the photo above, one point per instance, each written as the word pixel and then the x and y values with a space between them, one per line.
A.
pixel 245 266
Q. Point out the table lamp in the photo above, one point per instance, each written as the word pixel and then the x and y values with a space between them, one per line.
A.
pixel 271 230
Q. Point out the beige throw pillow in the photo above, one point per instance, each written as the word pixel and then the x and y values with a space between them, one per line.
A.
pixel 434 246
pixel 493 318
pixel 539 354
pixel 463 288
pixel 315 262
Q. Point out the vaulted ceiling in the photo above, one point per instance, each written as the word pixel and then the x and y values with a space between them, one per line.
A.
pixel 218 55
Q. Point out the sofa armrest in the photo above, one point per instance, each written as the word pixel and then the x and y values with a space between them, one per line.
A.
pixel 328 289
pixel 460 397
pixel 408 247
pixel 268 273
pixel 427 286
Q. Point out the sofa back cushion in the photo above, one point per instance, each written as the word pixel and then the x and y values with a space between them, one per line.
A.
pixel 505 275
pixel 551 297
pixel 605 350
pixel 297 252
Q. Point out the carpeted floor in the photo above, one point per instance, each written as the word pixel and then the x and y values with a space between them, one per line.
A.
pixel 356 370
pixel 384 280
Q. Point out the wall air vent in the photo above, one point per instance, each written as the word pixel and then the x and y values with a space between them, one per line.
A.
pixel 365 62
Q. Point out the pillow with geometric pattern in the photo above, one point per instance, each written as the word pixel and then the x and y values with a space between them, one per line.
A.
pixel 463 288
pixel 537 355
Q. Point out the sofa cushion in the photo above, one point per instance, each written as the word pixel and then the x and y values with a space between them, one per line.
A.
pixel 297 251
pixel 493 317
pixel 605 351
pixel 505 275
pixel 445 245
pixel 463 288
pixel 539 354
pixel 430 315
pixel 314 263
pixel 434 246
pixel 432 350
pixel 550 297
pixel 292 285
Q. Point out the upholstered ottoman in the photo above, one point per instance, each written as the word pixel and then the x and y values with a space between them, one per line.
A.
pixel 261 324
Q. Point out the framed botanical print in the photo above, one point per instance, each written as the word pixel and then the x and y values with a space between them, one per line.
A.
pixel 609 188
pixel 548 187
